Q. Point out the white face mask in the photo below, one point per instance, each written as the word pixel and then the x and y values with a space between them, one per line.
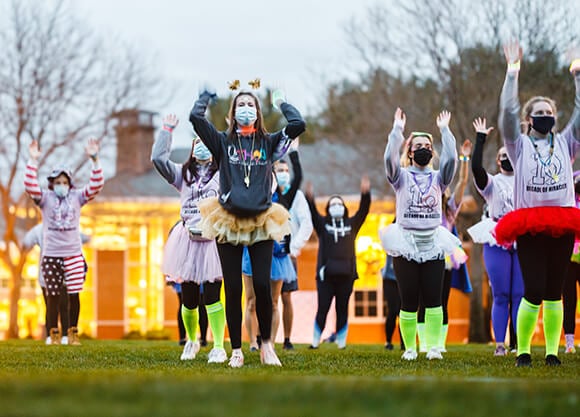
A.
pixel 336 211
pixel 283 179
pixel 246 115
pixel 201 152
pixel 61 190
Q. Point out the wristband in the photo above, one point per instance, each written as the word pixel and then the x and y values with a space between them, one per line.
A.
pixel 514 66
pixel 575 65
pixel 169 128
pixel 464 158
pixel 94 156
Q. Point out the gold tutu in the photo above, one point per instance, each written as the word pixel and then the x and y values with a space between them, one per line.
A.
pixel 217 223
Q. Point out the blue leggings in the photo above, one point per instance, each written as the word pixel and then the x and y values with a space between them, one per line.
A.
pixel 507 287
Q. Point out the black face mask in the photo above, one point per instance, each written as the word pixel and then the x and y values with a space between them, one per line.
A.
pixel 422 156
pixel 577 188
pixel 506 165
pixel 543 124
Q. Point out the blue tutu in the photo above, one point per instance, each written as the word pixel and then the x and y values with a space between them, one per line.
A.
pixel 282 268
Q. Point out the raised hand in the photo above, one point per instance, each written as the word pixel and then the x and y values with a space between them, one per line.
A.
pixel 512 51
pixel 34 150
pixel 278 97
pixel 466 147
pixel 443 119
pixel 92 147
pixel 573 55
pixel 479 125
pixel 400 119
pixel 170 121
pixel 365 184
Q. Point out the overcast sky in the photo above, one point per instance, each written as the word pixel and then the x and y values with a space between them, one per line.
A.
pixel 297 45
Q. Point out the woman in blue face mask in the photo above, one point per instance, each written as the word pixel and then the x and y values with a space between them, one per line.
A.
pixel 190 259
pixel 244 213
pixel 544 220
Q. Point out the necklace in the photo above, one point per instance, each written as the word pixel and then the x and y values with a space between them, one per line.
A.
pixel 546 162
pixel 247 167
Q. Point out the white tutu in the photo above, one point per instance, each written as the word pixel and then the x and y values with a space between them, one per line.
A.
pixel 418 245
pixel 481 232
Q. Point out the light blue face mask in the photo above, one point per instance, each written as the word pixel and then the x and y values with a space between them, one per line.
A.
pixel 246 115
pixel 201 152
pixel 283 179
pixel 61 190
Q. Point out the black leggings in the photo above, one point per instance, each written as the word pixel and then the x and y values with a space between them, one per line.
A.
pixel 61 311
pixel 570 297
pixel 190 296
pixel 544 262
pixel 261 261
pixel 339 288
pixel 444 299
pixel 419 280
pixel 393 304
pixel 54 303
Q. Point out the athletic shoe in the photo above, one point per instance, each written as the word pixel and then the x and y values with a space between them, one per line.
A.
pixel 442 349
pixel 254 349
pixel 203 343
pixel 268 355
pixel 389 346
pixel 434 353
pixel 409 355
pixel 312 347
pixel 64 340
pixel 288 346
pixel 524 360
pixel 331 338
pixel 237 358
pixel 570 349
pixel 552 360
pixel 422 349
pixel 217 355
pixel 189 351
pixel 182 342
pixel 500 350
pixel 73 336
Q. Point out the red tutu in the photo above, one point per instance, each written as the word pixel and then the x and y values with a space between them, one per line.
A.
pixel 553 221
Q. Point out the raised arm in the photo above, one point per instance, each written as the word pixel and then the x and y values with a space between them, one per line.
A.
pixel 572 129
pixel 317 219
pixel 31 185
pixel 297 170
pixel 463 172
pixel 447 162
pixel 97 180
pixel 509 103
pixel 364 205
pixel 392 151
pixel 294 128
pixel 207 132
pixel 479 173
pixel 162 149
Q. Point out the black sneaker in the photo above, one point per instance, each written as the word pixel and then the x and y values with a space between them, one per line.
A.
pixel 552 360
pixel 524 360
pixel 182 342
pixel 288 345
pixel 389 346
pixel 312 347
pixel 259 341
pixel 203 343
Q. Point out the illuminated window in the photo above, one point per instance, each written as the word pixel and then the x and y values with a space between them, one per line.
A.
pixel 365 303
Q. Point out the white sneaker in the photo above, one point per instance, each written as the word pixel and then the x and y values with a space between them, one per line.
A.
pixel 190 350
pixel 409 355
pixel 434 353
pixel 64 340
pixel 422 349
pixel 442 349
pixel 268 355
pixel 237 358
pixel 217 355
pixel 48 341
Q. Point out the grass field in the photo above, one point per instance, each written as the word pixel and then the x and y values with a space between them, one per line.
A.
pixel 146 378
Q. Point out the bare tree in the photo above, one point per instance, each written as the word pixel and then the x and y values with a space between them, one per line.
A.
pixel 59 84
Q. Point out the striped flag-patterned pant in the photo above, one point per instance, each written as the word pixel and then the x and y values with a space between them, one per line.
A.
pixel 70 269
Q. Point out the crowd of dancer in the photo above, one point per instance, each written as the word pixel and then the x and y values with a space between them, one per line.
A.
pixel 244 222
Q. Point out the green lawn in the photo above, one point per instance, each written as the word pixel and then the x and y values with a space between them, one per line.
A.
pixel 130 378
